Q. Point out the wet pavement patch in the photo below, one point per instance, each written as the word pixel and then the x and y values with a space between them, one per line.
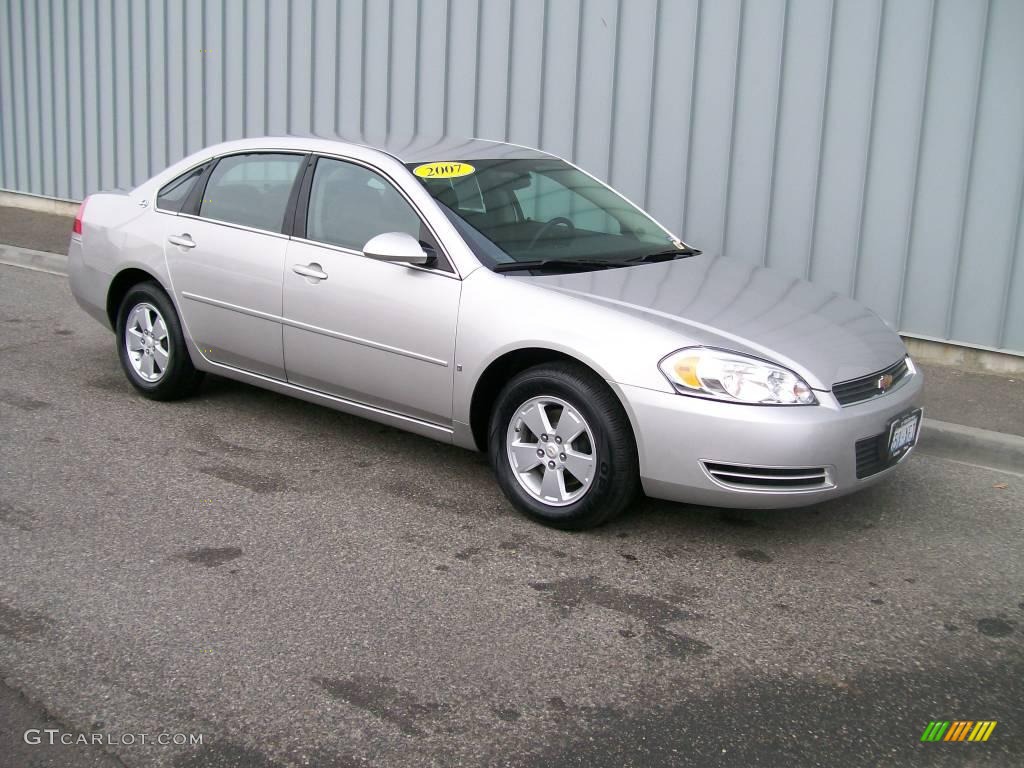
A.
pixel 211 557
pixel 23 402
pixel 209 438
pixel 19 624
pixel 15 516
pixel 557 703
pixel 575 593
pixel 754 555
pixel 995 627
pixel 226 754
pixel 407 490
pixel 381 698
pixel 245 478
pixel 792 721
pixel 468 553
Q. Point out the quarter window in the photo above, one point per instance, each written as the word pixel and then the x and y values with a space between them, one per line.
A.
pixel 173 195
pixel 251 190
pixel 349 204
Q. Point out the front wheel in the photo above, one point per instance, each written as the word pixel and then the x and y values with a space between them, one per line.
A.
pixel 151 345
pixel 562 448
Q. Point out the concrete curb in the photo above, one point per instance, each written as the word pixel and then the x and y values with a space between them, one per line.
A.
pixel 977 359
pixel 40 261
pixel 983 447
pixel 38 203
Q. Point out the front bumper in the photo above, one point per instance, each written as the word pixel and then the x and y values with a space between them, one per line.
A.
pixel 678 436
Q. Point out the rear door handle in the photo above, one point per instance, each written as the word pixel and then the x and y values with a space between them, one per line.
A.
pixel 184 240
pixel 313 271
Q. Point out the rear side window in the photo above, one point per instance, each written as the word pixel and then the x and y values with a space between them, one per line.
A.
pixel 173 195
pixel 251 190
pixel 349 204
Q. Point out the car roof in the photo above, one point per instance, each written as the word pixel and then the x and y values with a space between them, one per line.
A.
pixel 405 149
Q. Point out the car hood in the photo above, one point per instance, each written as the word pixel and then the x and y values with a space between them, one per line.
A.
pixel 725 303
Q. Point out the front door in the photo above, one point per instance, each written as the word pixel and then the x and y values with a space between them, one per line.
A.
pixel 378 333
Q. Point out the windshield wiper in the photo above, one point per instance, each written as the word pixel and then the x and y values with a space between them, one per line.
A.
pixel 568 264
pixel 672 253
pixel 556 264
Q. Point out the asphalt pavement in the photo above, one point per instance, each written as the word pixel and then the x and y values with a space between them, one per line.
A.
pixel 295 586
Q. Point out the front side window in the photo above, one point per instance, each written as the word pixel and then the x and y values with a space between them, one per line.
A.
pixel 251 190
pixel 350 204
pixel 173 194
pixel 529 210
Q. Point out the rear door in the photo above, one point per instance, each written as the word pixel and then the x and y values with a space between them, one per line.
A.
pixel 376 332
pixel 225 254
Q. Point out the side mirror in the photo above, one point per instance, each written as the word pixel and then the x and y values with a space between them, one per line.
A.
pixel 398 247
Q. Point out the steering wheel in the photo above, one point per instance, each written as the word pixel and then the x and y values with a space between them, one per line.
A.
pixel 557 221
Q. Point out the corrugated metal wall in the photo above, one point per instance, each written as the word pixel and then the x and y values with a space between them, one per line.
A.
pixel 876 146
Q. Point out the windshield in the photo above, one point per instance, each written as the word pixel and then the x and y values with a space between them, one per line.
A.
pixel 540 209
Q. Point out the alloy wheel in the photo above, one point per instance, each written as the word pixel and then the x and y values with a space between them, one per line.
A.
pixel 147 342
pixel 551 450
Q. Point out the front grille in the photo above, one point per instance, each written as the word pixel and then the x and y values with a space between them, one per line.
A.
pixel 867 387
pixel 768 478
pixel 870 456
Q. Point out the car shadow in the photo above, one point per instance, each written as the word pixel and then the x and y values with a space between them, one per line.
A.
pixel 840 517
pixel 834 523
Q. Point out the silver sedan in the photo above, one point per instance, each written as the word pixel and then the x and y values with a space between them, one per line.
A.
pixel 504 300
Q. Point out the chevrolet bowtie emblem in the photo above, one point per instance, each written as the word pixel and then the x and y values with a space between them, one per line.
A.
pixel 884 382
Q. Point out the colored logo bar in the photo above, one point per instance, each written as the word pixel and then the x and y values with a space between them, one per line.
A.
pixel 958 730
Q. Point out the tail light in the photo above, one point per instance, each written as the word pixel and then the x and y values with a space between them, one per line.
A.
pixel 77 227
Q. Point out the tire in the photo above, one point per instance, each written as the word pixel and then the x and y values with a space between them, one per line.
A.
pixel 162 368
pixel 570 392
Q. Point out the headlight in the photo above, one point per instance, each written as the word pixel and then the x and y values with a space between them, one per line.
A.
pixel 733 377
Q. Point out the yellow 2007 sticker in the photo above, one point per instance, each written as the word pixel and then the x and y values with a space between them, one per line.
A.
pixel 443 170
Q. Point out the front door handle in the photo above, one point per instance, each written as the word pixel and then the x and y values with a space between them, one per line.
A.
pixel 313 271
pixel 184 240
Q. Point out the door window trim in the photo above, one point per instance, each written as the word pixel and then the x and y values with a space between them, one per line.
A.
pixel 232 225
pixel 445 264
pixel 191 207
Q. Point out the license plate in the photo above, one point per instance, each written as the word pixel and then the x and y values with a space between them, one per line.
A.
pixel 903 434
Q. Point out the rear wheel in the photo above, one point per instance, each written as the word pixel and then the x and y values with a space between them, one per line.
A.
pixel 562 448
pixel 151 345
